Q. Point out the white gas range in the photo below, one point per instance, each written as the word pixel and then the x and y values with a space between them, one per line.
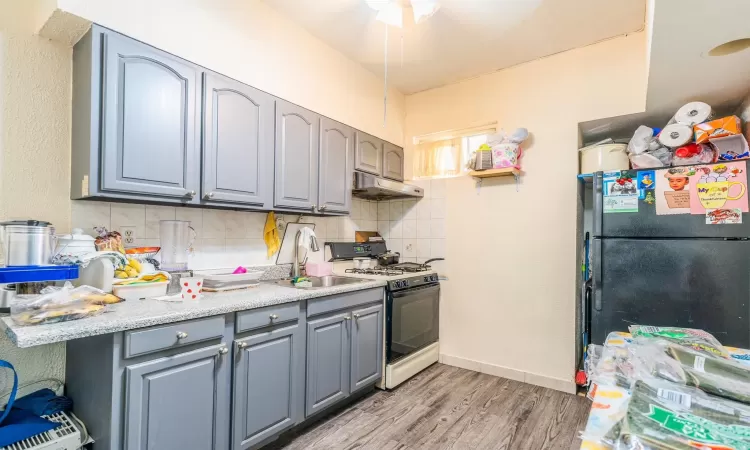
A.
pixel 412 311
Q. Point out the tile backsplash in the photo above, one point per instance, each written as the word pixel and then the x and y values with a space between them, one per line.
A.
pixel 416 229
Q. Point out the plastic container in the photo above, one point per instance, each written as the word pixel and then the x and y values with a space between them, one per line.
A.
pixel 224 279
pixel 319 269
pixel 604 157
pixel 139 291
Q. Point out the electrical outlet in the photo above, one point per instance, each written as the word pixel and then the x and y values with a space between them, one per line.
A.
pixel 128 235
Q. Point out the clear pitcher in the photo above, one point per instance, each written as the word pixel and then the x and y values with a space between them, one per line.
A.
pixel 176 239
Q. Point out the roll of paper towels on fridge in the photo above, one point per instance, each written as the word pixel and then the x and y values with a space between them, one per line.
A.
pixel 676 135
pixel 692 114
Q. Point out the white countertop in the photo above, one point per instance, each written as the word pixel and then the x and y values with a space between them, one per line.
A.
pixel 134 314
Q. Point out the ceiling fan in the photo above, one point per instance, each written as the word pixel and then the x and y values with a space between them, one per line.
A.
pixel 391 12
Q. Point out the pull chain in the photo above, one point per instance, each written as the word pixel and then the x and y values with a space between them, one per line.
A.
pixel 385 80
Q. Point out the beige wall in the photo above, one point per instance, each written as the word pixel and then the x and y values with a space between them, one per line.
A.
pixel 249 41
pixel 509 304
pixel 34 150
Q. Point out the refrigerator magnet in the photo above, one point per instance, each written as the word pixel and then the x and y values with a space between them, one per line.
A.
pixel 620 192
pixel 719 187
pixel 672 190
pixel 728 216
pixel 645 182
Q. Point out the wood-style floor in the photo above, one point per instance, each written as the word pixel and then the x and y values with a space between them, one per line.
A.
pixel 446 407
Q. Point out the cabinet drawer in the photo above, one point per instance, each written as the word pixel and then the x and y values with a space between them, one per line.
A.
pixel 343 301
pixel 263 317
pixel 149 340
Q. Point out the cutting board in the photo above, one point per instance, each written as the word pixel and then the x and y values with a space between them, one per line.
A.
pixel 286 253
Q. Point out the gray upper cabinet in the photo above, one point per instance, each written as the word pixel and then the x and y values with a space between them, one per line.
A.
pixel 336 167
pixel 367 346
pixel 327 361
pixel 172 402
pixel 148 127
pixel 368 154
pixel 268 385
pixel 393 162
pixel 238 126
pixel 296 154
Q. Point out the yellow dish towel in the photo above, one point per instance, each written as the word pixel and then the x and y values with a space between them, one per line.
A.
pixel 143 279
pixel 271 235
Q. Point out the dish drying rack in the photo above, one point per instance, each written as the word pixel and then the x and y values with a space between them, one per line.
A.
pixel 67 436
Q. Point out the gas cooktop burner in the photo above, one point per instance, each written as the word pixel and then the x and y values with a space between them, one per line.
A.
pixel 386 272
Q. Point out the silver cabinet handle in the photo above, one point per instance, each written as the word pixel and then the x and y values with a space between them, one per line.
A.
pixel 322 208
pixel 181 335
pixel 191 194
pixel 356 316
pixel 273 316
pixel 223 351
pixel 347 318
pixel 210 195
pixel 241 345
pixel 313 207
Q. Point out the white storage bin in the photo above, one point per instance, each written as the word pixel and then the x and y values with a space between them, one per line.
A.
pixel 139 291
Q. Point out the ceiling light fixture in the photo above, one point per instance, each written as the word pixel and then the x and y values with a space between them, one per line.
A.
pixel 731 47
pixel 391 12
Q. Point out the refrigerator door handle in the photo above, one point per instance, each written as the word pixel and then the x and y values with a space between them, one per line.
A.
pixel 596 272
pixel 598 203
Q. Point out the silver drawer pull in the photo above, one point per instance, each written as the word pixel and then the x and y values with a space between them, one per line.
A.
pixel 241 345
pixel 223 351
pixel 273 316
pixel 181 335
pixel 347 318
pixel 356 316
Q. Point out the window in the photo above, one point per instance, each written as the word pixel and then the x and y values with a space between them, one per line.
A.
pixel 443 155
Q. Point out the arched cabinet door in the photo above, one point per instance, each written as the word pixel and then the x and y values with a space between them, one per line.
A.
pixel 393 162
pixel 296 154
pixel 238 125
pixel 148 142
pixel 336 167
pixel 368 156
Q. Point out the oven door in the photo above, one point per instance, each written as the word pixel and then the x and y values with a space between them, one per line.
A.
pixel 412 318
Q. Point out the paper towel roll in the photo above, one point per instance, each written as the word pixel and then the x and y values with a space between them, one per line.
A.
pixel 676 135
pixel 692 114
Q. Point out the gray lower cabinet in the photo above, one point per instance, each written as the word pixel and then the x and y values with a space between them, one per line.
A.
pixel 136 126
pixel 336 167
pixel 393 162
pixel 296 153
pixel 366 346
pixel 368 154
pixel 238 128
pixel 269 373
pixel 328 343
pixel 171 403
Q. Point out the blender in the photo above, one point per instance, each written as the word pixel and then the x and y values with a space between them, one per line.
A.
pixel 176 238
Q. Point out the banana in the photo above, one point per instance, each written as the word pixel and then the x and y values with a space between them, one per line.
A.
pixel 121 274
pixel 135 264
pixel 132 273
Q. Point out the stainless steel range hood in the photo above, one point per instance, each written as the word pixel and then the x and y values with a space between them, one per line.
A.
pixel 371 187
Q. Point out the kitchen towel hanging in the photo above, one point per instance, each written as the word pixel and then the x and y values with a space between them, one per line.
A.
pixel 676 135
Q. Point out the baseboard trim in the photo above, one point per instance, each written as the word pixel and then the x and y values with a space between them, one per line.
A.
pixel 558 384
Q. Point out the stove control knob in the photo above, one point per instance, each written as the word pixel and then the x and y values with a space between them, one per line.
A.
pixel 426 279
pixel 433 277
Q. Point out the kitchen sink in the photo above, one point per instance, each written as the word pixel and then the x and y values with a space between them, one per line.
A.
pixel 322 282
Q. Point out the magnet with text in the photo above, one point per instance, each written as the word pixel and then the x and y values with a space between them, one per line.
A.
pixel 672 190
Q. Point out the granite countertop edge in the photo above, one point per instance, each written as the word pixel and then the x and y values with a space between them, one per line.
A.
pixel 210 305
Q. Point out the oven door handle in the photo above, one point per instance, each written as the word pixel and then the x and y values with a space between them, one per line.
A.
pixel 405 292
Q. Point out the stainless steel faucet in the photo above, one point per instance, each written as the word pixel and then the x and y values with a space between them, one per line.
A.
pixel 313 247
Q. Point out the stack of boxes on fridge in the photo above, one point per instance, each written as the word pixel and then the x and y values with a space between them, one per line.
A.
pixel 690 138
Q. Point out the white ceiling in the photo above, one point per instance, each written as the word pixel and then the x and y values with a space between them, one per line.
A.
pixel 465 38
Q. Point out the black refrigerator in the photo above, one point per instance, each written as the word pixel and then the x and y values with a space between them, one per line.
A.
pixel 668 270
